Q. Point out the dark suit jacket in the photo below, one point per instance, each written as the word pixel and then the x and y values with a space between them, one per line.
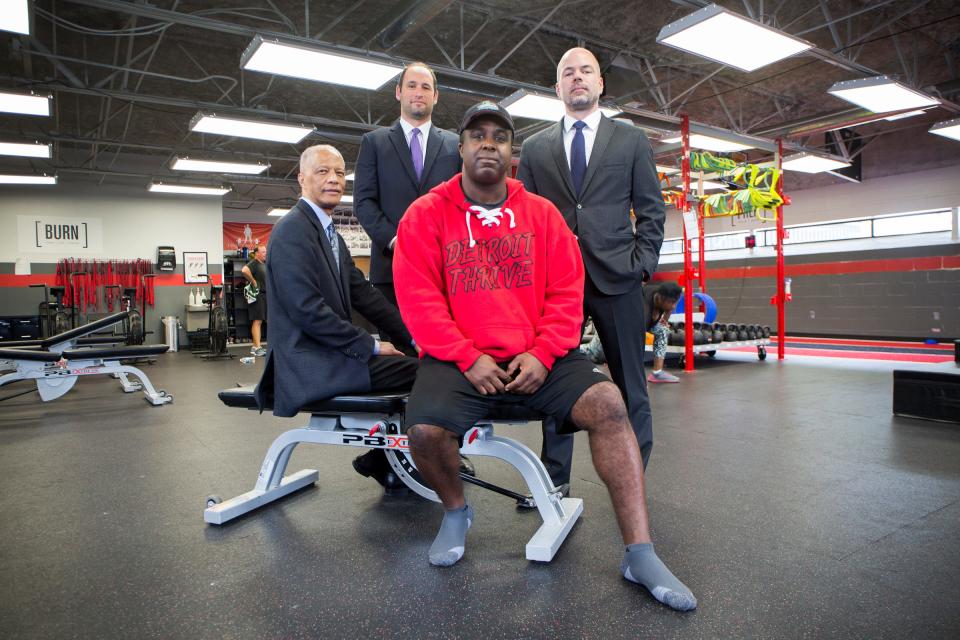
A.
pixel 315 351
pixel 385 185
pixel 620 175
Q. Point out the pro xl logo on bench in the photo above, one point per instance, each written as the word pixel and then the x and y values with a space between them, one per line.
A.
pixel 382 442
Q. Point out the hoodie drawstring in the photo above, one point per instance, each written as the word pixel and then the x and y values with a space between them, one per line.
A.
pixel 489 217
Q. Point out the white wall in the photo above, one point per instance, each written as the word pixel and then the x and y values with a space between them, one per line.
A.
pixel 931 189
pixel 133 225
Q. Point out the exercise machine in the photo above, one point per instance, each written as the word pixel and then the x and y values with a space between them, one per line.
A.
pixel 217 325
pixel 373 421
pixel 57 362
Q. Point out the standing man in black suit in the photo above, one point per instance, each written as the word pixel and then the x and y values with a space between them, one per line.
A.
pixel 399 164
pixel 595 170
pixel 315 351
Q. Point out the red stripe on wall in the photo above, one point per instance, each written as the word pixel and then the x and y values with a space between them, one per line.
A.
pixel 933 263
pixel 161 280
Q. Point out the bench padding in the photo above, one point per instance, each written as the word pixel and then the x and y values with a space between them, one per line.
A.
pixel 34 355
pixel 243 397
pixel 116 353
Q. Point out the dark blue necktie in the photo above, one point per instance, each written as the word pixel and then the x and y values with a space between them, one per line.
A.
pixel 334 245
pixel 578 156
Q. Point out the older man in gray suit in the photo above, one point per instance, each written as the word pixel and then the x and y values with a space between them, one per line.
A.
pixel 595 170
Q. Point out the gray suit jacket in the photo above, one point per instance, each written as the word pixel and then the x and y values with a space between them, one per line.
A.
pixel 315 350
pixel 620 175
pixel 386 184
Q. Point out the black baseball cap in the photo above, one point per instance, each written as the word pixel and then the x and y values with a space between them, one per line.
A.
pixel 486 108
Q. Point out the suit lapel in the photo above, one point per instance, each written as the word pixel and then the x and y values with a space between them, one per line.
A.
pixel 399 141
pixel 344 273
pixel 433 149
pixel 555 140
pixel 604 134
pixel 325 249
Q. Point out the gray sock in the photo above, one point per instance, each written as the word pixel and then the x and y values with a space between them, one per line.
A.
pixel 641 565
pixel 448 546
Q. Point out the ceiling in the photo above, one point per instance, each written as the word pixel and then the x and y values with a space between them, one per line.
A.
pixel 127 77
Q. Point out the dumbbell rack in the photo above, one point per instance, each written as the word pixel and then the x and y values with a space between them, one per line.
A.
pixel 710 348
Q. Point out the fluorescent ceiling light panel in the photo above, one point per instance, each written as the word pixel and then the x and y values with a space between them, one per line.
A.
pixel 255 129
pixel 709 143
pixel 346 200
pixel 731 39
pixel 15 17
pixel 947 129
pixel 13 179
pixel 812 163
pixel 313 64
pixel 216 166
pixel 667 170
pixel 908 114
pixel 521 104
pixel 278 212
pixel 881 94
pixel 350 177
pixel 29 105
pixel 30 150
pixel 160 187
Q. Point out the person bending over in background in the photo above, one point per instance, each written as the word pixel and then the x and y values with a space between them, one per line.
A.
pixel 493 294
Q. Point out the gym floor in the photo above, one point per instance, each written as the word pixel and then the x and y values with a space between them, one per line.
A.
pixel 785 495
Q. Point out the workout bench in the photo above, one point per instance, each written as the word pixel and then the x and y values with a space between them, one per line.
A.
pixel 373 422
pixel 56 362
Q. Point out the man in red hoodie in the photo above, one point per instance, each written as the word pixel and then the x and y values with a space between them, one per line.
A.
pixel 492 292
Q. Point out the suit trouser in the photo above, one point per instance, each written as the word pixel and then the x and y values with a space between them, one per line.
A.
pixel 386 288
pixel 392 373
pixel 619 322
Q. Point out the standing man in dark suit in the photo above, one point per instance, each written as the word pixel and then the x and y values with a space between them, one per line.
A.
pixel 595 170
pixel 399 164
pixel 315 351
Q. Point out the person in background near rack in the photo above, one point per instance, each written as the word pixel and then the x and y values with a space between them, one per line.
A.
pixel 316 352
pixel 595 170
pixel 659 301
pixel 397 165
pixel 255 273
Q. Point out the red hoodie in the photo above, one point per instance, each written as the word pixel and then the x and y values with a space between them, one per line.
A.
pixel 501 282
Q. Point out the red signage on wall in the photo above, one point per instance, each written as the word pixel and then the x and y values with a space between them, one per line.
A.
pixel 237 235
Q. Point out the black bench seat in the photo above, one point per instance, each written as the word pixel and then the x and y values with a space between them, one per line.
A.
pixel 242 397
pixel 110 353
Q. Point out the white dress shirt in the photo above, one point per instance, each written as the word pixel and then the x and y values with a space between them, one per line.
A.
pixel 424 134
pixel 589 133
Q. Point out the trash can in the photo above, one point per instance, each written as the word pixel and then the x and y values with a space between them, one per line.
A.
pixel 171 332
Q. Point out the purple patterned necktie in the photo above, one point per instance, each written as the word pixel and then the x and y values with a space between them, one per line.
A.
pixel 416 152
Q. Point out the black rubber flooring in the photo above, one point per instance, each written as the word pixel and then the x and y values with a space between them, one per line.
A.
pixel 785 495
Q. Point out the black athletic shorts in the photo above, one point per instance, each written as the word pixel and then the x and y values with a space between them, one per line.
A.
pixel 258 309
pixel 443 396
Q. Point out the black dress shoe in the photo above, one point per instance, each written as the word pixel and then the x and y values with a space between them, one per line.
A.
pixel 394 486
pixel 530 503
pixel 466 466
pixel 373 464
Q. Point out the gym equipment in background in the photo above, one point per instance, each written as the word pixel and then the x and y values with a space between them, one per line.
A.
pixel 54 318
pixel 58 361
pixel 216 325
pixel 373 422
